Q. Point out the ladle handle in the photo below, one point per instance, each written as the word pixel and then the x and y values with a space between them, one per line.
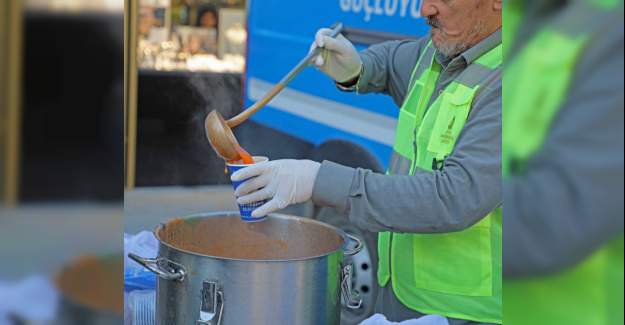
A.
pixel 303 63
pixel 243 116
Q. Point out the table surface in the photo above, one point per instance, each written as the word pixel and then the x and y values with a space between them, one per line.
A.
pixel 144 208
pixel 39 238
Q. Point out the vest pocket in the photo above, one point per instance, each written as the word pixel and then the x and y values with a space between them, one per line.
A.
pixel 451 117
pixel 457 263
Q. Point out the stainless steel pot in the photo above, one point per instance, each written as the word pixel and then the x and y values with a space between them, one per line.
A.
pixel 216 269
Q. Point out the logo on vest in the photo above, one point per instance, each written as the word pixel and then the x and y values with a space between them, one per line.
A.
pixel 447 136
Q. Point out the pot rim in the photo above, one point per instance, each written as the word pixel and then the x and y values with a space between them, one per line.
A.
pixel 339 231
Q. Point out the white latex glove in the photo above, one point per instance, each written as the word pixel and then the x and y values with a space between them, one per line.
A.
pixel 339 58
pixel 285 182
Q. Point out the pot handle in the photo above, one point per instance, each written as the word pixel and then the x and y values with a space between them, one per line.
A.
pixel 356 249
pixel 351 298
pixel 212 304
pixel 161 266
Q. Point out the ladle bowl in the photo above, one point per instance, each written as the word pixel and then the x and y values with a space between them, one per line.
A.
pixel 221 137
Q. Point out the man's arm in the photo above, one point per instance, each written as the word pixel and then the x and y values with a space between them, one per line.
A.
pixel 386 68
pixel 452 199
pixel 570 201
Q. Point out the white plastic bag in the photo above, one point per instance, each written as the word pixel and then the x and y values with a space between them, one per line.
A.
pixel 33 299
pixel 140 307
pixel 379 319
pixel 136 277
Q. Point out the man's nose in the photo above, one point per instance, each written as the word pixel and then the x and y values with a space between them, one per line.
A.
pixel 428 8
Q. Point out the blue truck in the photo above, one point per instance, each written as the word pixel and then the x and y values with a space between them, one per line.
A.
pixel 311 108
pixel 343 127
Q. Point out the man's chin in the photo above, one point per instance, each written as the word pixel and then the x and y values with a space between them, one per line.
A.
pixel 448 50
pixel 436 38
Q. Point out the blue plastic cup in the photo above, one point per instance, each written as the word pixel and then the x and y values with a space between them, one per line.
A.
pixel 246 209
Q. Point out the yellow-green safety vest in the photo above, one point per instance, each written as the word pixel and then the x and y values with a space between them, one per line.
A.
pixel 452 274
pixel 535 84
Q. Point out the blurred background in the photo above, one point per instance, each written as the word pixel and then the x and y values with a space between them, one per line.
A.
pixel 562 162
pixel 61 160
pixel 188 55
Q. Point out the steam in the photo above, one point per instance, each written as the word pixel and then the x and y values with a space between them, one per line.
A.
pixel 219 92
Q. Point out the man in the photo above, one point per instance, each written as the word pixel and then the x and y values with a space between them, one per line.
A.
pixel 563 162
pixel 440 232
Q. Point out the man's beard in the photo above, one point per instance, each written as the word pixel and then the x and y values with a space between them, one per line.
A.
pixel 451 49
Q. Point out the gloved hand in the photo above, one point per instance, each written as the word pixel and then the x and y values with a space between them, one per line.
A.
pixel 285 182
pixel 339 58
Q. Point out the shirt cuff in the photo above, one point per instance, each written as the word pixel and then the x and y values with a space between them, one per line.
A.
pixel 363 76
pixel 365 73
pixel 332 185
pixel 343 88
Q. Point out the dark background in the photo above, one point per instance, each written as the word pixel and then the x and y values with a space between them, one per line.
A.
pixel 72 130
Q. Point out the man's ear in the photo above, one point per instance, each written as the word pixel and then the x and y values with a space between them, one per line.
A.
pixel 497 5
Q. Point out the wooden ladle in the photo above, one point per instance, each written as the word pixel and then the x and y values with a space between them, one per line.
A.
pixel 219 131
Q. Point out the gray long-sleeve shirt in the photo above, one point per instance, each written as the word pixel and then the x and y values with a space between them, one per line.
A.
pixel 451 199
pixel 569 202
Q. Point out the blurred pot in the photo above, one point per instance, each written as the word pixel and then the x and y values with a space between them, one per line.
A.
pixel 91 290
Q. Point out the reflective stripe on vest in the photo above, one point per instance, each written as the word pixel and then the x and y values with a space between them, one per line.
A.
pixel 425 268
pixel 540 75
